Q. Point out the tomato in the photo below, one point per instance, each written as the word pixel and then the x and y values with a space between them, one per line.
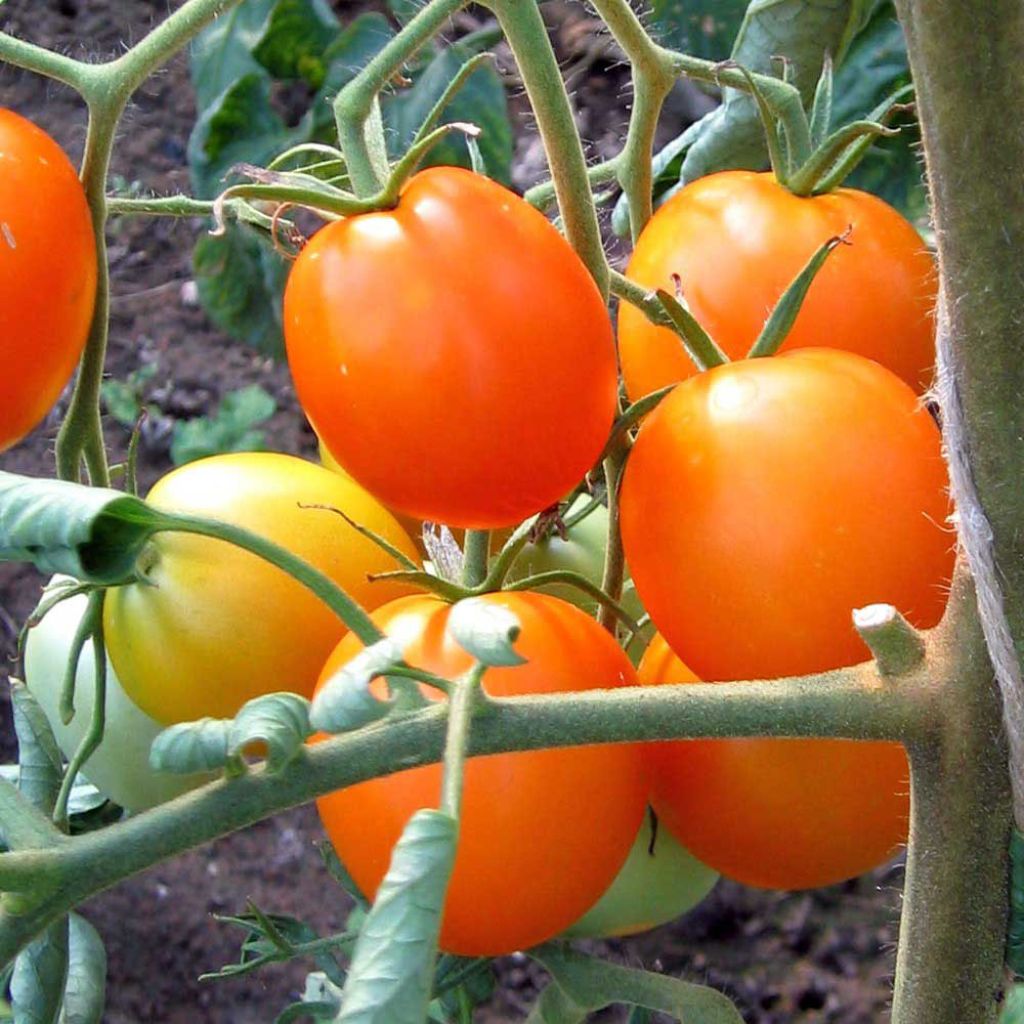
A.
pixel 762 502
pixel 453 353
pixel 119 767
pixel 558 823
pixel 737 239
pixel 660 881
pixel 47 274
pixel 211 626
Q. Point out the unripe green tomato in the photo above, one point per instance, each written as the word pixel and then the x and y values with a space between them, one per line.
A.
pixel 582 551
pixel 660 881
pixel 119 768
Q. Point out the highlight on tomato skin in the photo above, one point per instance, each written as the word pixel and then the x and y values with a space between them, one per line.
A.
pixel 563 820
pixel 453 353
pixel 737 239
pixel 47 274
pixel 764 501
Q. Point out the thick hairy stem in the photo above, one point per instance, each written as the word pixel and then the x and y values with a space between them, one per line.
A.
pixel 953 928
pixel 850 703
pixel 525 31
pixel 974 159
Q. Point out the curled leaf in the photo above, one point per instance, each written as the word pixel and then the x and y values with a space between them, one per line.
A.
pixel 345 701
pixel 278 720
pixel 191 747
pixel 486 630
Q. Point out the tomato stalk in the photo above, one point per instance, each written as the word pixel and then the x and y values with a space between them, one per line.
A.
pixel 356 110
pixel 527 36
pixel 847 703
pixel 462 701
pixel 475 557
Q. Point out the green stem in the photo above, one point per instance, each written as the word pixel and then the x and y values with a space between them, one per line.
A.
pixel 461 704
pixel 643 298
pixel 475 557
pixel 614 574
pixel 569 578
pixel 527 36
pixel 326 589
pixel 848 703
pixel 653 78
pixel 354 105
pixel 543 195
pixel 45 62
pixel 955 898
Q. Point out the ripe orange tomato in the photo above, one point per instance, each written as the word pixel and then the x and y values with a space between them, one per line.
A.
pixel 779 814
pixel 211 626
pixel 453 353
pixel 47 274
pixel 801 487
pixel 737 239
pixel 567 817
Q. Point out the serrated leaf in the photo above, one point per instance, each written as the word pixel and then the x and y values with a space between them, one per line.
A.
pixel 222 53
pixel 238 126
pixel 480 101
pixel 86 987
pixel 486 630
pixel 392 970
pixel 91 533
pixel 294 40
pixel 586 984
pixel 345 701
pixel 278 720
pixel 240 279
pixel 191 747
pixel 40 765
pixel 40 971
pixel 229 429
pixel 703 28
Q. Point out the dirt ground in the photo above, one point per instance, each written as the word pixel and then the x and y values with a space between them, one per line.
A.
pixel 821 956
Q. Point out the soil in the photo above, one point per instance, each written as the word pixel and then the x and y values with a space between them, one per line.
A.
pixel 820 956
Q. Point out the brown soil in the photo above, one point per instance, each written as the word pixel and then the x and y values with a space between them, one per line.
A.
pixel 822 956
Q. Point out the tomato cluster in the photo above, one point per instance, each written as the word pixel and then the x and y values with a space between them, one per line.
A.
pixel 459 363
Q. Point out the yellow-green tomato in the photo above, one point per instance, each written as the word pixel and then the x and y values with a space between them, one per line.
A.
pixel 660 881
pixel 119 767
pixel 210 626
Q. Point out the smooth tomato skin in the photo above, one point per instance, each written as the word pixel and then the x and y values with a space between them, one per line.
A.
pixel 562 820
pixel 119 767
pixel 215 626
pixel 766 499
pixel 737 239
pixel 778 814
pixel 453 353
pixel 660 881
pixel 47 274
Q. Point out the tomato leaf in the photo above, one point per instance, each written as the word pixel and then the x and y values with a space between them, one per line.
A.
pixel 91 533
pixel 703 28
pixel 86 986
pixel 240 279
pixel 320 1001
pixel 1015 928
pixel 295 38
pixel 345 702
pixel 40 972
pixel 279 720
pixel 1013 1008
pixel 392 972
pixel 229 429
pixel 191 747
pixel 485 630
pixel 583 984
pixel 39 758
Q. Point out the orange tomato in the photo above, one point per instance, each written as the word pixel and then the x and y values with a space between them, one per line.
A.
pixel 737 239
pixel 453 353
pixel 562 820
pixel 779 814
pixel 47 274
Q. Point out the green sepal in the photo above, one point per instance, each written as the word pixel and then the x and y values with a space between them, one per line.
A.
pixel 392 974
pixel 486 630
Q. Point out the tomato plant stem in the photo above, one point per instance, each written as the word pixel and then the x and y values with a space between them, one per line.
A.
pixel 356 110
pixel 614 573
pixel 527 35
pixel 475 557
pixel 848 703
pixel 462 700
pixel 44 62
